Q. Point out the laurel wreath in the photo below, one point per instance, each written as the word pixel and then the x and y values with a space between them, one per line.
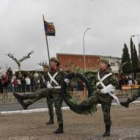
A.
pixel 86 107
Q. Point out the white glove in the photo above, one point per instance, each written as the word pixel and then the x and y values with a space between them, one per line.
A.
pixel 49 85
pixel 67 80
pixel 108 89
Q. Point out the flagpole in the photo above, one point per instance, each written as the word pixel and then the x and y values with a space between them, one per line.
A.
pixel 47 42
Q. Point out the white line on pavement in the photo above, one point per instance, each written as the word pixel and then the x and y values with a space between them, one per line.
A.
pixel 39 110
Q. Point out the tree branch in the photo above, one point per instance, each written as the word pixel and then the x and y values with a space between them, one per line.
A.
pixel 26 56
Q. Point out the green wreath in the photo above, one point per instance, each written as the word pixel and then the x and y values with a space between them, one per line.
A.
pixel 80 108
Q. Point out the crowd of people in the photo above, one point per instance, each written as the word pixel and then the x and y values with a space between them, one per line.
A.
pixel 27 82
pixel 127 80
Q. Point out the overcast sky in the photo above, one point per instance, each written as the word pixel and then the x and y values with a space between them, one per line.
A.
pixel 111 24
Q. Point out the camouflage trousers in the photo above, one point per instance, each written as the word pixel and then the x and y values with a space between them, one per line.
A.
pixel 54 93
pixel 105 100
pixel 106 113
pixel 50 101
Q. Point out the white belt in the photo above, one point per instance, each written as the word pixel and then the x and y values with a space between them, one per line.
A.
pixel 55 87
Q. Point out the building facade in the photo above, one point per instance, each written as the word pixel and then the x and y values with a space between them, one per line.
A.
pixel 71 61
pixel 114 62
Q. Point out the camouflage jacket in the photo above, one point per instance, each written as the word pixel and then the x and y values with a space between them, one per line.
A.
pixel 58 78
pixel 109 80
pixel 106 98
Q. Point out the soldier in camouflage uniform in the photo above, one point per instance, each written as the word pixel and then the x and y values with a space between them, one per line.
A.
pixel 135 94
pixel 53 83
pixel 105 84
pixel 49 98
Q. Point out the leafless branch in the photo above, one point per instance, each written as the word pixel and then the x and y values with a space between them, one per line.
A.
pixel 26 56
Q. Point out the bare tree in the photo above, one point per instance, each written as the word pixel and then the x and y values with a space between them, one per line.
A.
pixel 42 63
pixel 18 61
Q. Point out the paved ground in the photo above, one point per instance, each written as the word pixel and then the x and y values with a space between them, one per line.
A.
pixel 126 126
pixel 11 104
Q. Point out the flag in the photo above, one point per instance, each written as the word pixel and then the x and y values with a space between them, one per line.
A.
pixel 49 28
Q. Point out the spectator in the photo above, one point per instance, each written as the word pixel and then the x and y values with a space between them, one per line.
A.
pixel 10 75
pixel 15 84
pixel 10 72
pixel 28 83
pixel 32 83
pixel 36 80
pixel 23 84
pixel 19 84
pixel 6 81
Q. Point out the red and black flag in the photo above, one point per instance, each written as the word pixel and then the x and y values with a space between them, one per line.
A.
pixel 49 28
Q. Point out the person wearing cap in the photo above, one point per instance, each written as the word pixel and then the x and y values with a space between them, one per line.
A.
pixel 105 84
pixel 49 98
pixel 53 82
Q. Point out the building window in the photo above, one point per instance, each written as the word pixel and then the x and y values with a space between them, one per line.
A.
pixel 112 64
pixel 80 60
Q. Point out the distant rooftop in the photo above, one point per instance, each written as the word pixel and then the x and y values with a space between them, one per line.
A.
pixel 88 55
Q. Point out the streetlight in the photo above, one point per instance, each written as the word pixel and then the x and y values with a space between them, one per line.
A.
pixel 84 47
pixel 138 44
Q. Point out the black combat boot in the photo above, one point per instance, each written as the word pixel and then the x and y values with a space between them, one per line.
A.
pixel 50 121
pixel 125 103
pixel 107 131
pixel 24 105
pixel 60 129
pixel 20 100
